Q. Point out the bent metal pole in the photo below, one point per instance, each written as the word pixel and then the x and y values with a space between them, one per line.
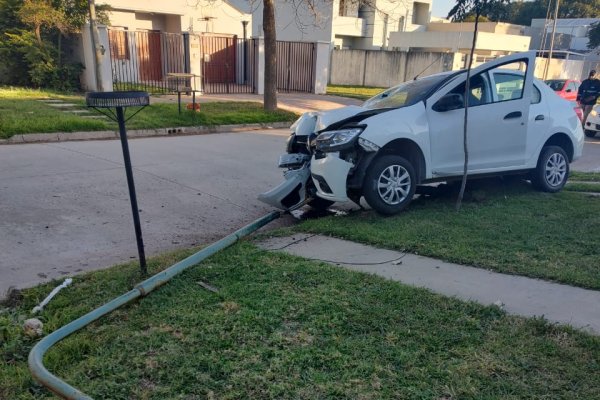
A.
pixel 36 356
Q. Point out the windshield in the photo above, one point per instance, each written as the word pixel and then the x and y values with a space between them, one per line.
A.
pixel 405 94
pixel 556 84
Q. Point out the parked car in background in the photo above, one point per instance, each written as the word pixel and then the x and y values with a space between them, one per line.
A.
pixel 592 125
pixel 412 134
pixel 565 88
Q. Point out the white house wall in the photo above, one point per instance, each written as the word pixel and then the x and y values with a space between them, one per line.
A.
pixel 199 16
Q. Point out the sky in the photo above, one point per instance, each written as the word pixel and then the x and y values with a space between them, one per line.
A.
pixel 440 8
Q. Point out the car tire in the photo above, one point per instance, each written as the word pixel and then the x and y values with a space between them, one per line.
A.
pixel 389 184
pixel 319 203
pixel 552 170
pixel 589 133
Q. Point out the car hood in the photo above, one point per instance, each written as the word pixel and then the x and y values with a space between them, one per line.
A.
pixel 312 122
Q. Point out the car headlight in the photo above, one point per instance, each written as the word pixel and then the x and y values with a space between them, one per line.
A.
pixel 594 113
pixel 337 140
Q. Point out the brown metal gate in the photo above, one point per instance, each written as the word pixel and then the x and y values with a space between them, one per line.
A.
pixel 142 60
pixel 295 66
pixel 228 64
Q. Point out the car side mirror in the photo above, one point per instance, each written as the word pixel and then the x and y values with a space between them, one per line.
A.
pixel 450 101
pixel 568 90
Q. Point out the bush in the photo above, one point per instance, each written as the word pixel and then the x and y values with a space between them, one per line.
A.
pixel 30 63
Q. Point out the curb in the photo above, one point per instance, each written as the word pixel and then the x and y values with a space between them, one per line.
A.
pixel 139 133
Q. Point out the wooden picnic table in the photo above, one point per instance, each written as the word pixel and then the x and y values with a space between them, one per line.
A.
pixel 183 87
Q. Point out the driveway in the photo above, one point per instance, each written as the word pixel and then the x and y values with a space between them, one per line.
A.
pixel 296 102
pixel 65 206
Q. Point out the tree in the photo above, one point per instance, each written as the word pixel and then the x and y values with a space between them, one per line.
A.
pixel 270 96
pixel 31 37
pixel 522 12
pixel 492 10
pixel 41 13
pixel 471 18
pixel 461 10
pixel 594 36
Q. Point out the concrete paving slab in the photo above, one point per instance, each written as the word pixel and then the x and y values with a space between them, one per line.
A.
pixel 518 295
pixel 62 105
pixel 78 112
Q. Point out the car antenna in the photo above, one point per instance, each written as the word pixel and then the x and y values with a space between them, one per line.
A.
pixel 427 67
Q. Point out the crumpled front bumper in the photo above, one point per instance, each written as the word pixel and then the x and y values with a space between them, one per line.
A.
pixel 329 175
pixel 291 193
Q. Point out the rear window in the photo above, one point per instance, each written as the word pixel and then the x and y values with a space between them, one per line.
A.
pixel 556 84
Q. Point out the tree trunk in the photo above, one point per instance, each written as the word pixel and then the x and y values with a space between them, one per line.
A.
pixel 38 34
pixel 463 183
pixel 270 96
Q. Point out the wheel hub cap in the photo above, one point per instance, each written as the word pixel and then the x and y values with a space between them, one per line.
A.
pixel 556 169
pixel 394 184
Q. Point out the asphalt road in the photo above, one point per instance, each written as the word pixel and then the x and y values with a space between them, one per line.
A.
pixel 65 206
pixel 590 162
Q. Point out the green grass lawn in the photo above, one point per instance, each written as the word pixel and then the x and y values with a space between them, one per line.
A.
pixel 356 92
pixel 504 225
pixel 21 113
pixel 288 328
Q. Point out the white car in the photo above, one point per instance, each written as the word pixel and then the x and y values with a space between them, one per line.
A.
pixel 592 124
pixel 412 134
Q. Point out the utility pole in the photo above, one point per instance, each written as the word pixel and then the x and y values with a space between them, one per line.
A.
pixel 98 50
pixel 552 40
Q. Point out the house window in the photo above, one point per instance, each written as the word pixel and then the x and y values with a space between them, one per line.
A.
pixel 119 44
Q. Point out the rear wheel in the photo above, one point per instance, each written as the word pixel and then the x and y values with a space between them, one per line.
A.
pixel 389 184
pixel 552 170
pixel 589 133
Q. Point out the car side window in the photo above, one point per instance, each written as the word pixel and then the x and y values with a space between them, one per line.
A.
pixel 479 90
pixel 536 95
pixel 508 86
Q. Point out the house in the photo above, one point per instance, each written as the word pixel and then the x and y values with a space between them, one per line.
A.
pixel 194 45
pixel 494 39
pixel 149 44
pixel 177 16
pixel 347 24
pixel 570 40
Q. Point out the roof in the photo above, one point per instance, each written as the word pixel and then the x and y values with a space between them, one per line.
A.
pixel 571 22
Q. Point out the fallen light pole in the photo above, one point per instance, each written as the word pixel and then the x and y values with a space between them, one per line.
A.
pixel 119 101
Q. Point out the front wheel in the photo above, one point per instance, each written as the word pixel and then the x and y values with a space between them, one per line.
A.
pixel 389 184
pixel 589 133
pixel 552 170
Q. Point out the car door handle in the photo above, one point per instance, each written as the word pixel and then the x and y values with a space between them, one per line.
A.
pixel 540 117
pixel 514 114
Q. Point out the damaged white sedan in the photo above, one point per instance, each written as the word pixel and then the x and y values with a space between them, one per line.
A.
pixel 412 134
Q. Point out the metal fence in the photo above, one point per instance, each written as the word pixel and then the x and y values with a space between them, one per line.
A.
pixel 152 60
pixel 295 66
pixel 158 62
pixel 228 64
pixel 142 60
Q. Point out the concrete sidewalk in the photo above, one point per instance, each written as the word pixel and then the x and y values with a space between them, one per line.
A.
pixel 517 295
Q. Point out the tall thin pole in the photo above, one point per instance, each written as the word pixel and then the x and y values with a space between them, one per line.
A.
pixel 552 40
pixel 95 44
pixel 131 186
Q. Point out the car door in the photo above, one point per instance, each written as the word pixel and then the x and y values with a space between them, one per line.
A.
pixel 497 122
pixel 571 91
